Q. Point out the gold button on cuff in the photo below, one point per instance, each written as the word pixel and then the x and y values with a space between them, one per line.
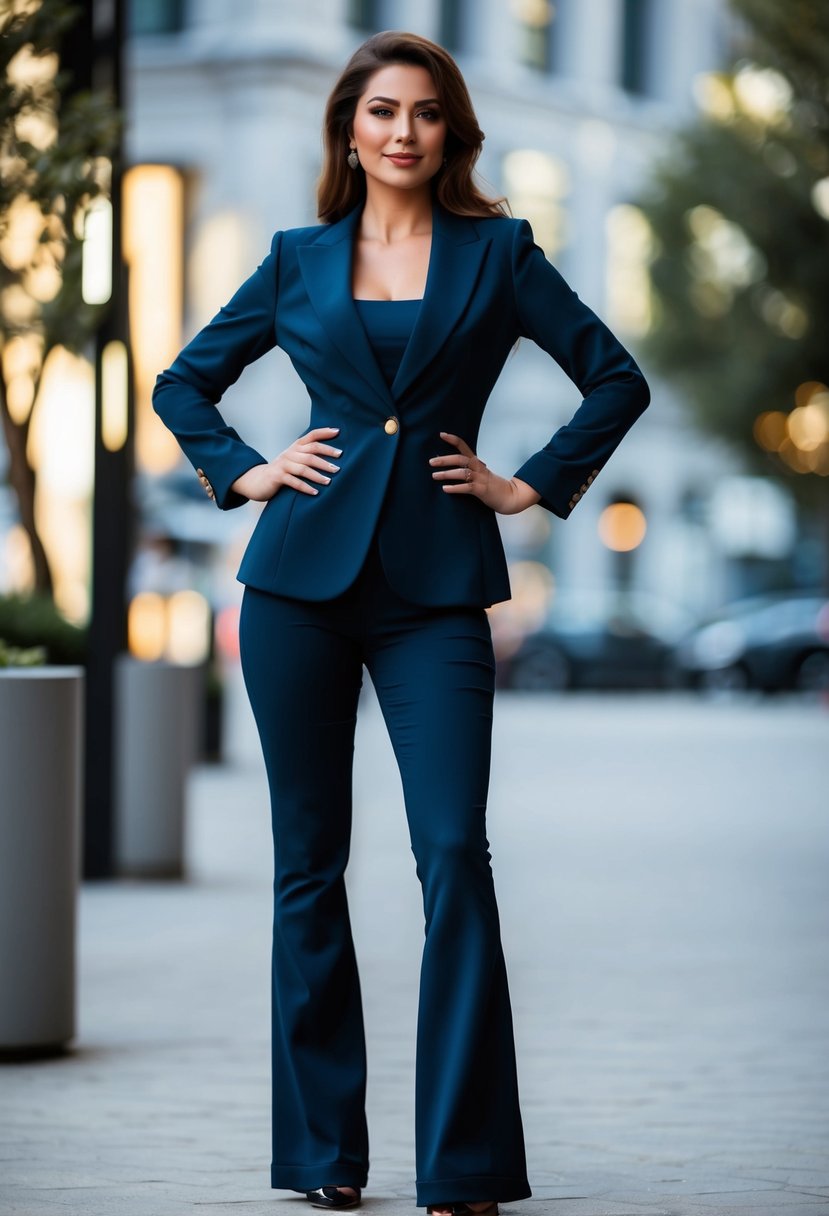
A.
pixel 391 426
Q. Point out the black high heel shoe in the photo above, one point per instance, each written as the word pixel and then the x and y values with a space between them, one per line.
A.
pixel 332 1197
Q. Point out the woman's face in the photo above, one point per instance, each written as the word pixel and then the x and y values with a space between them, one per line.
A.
pixel 398 112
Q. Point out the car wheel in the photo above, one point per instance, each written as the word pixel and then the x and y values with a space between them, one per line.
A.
pixel 542 671
pixel 812 674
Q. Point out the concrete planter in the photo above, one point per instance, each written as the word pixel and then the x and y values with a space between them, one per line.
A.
pixel 41 746
pixel 157 735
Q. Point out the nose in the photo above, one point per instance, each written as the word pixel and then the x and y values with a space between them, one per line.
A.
pixel 404 127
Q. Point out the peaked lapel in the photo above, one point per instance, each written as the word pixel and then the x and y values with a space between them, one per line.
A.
pixel 455 261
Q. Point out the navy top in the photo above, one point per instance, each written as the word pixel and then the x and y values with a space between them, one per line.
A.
pixel 388 325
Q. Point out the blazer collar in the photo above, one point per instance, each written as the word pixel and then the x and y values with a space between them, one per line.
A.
pixel 455 261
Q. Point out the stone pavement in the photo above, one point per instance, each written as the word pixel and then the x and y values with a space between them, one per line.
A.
pixel 661 867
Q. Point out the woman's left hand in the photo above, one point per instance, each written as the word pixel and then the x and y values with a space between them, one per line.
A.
pixel 467 474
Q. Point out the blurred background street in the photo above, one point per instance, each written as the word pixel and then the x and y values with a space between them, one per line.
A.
pixel 661 873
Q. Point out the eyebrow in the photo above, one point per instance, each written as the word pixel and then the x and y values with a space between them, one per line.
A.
pixel 394 102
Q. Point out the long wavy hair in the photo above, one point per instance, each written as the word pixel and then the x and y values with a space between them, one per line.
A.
pixel 339 188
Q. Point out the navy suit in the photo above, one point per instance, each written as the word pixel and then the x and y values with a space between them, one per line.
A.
pixel 488 283
pixel 383 569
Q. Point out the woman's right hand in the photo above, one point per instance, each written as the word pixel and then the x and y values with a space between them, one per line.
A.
pixel 305 458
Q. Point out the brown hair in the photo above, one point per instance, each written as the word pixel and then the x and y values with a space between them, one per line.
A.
pixel 339 188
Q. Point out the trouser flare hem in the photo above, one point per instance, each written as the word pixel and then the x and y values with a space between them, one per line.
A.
pixel 473 1188
pixel 309 1177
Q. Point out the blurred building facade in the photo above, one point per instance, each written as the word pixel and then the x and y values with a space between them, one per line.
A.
pixel 576 98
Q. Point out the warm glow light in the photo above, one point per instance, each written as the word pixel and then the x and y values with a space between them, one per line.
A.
pixel 61 447
pixel 809 391
pixel 17 570
pixel 808 427
pixel 763 94
pixel 622 526
pixel 770 429
pixel 152 233
pixel 188 628
pixel 721 253
pixel 62 437
pixel 20 395
pixel 820 197
pixel 24 223
pixel 533 12
pixel 114 396
pixel 147 626
pixel 712 93
pixel 27 68
pixel 96 267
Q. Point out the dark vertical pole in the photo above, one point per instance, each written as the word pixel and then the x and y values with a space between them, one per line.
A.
pixel 93 49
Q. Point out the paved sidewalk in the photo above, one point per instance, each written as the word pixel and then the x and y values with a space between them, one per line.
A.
pixel 661 867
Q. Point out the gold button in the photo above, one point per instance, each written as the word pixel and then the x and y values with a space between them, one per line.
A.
pixel 391 426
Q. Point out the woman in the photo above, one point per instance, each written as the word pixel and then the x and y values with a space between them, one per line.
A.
pixel 379 546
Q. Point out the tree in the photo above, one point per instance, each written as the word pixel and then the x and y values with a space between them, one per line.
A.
pixel 55 160
pixel 740 265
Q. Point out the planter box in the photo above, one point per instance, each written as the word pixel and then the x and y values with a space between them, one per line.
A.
pixel 41 745
pixel 159 710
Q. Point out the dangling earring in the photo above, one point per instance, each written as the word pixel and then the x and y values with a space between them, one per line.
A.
pixel 353 159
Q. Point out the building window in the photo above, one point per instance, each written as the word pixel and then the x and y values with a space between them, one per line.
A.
pixel 452 14
pixel 535 20
pixel 536 185
pixel 364 15
pixel 155 16
pixel 630 249
pixel 637 43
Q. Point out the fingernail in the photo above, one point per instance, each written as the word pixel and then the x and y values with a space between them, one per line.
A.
pixel 328 479
pixel 338 451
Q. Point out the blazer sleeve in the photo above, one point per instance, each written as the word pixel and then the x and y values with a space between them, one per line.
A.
pixel 186 393
pixel 613 388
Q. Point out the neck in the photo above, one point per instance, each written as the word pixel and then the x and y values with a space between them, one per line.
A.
pixel 390 214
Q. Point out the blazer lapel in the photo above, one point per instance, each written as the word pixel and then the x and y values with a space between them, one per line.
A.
pixel 455 261
pixel 454 266
pixel 326 271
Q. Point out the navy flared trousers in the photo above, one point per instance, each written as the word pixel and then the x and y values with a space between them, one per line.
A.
pixel 433 670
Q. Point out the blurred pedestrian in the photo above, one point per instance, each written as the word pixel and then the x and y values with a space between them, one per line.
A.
pixel 379 546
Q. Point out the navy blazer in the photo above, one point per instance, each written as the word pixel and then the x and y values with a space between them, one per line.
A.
pixel 488 282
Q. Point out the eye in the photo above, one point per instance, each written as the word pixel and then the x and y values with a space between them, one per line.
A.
pixel 433 114
pixel 380 110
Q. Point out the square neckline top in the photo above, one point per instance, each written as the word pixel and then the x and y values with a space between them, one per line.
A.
pixel 388 329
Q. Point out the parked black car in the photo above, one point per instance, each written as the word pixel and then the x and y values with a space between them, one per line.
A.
pixel 776 642
pixel 598 639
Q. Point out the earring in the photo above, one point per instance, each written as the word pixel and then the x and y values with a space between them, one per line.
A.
pixel 353 159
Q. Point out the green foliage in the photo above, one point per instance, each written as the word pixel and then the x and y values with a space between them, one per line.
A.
pixel 32 621
pixel 14 656
pixel 740 267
